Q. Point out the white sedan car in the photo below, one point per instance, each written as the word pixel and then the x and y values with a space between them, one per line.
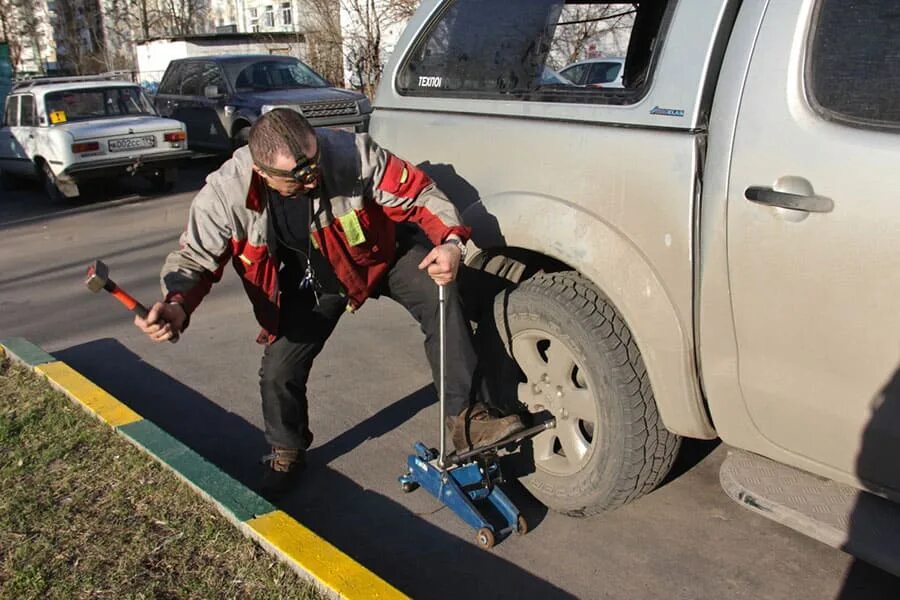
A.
pixel 596 72
pixel 64 131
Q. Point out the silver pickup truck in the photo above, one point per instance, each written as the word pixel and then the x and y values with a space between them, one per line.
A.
pixel 711 249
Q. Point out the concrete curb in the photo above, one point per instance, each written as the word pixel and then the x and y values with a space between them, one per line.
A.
pixel 311 556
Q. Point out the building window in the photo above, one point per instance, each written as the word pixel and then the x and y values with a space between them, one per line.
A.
pixel 270 16
pixel 253 13
pixel 254 26
pixel 286 16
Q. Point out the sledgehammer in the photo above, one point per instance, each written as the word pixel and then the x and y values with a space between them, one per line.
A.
pixel 98 279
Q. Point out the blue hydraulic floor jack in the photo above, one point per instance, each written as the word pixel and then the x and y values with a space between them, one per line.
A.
pixel 465 480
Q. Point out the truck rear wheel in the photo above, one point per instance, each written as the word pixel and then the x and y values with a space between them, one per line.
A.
pixel 579 362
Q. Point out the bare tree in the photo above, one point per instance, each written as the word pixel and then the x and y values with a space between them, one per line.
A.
pixel 79 32
pixel 400 11
pixel 186 16
pixel 9 32
pixel 324 39
pixel 27 29
pixel 357 44
pixel 582 29
pixel 145 16
pixel 363 49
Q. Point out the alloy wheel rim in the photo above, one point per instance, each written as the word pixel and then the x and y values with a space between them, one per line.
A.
pixel 557 383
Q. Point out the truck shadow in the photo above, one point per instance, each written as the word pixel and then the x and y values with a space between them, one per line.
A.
pixel 393 541
pixel 877 461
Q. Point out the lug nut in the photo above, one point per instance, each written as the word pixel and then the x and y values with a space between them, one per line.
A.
pixel 564 413
pixel 559 391
pixel 545 378
pixel 536 389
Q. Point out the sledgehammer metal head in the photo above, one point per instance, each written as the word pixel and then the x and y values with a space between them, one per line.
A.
pixel 97 276
pixel 98 279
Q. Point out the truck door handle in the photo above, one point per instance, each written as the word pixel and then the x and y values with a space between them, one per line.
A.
pixel 804 202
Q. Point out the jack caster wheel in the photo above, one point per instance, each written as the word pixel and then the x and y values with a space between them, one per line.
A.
pixel 409 486
pixel 521 526
pixel 485 538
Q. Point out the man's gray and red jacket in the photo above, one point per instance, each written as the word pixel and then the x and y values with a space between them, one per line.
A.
pixel 364 191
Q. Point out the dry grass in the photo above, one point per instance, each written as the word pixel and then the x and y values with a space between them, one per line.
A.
pixel 83 514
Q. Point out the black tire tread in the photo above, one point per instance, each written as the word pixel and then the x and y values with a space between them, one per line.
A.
pixel 650 447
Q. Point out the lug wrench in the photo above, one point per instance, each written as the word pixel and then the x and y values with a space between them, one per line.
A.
pixel 98 279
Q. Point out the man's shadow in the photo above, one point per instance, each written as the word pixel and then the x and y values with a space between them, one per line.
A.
pixel 877 462
pixel 381 533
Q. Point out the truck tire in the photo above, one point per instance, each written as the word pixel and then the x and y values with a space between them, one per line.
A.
pixel 579 362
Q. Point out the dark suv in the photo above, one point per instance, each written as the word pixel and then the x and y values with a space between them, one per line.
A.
pixel 220 97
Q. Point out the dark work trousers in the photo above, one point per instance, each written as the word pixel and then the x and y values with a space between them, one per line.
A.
pixel 305 327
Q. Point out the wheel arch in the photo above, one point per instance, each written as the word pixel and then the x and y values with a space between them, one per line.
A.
pixel 38 164
pixel 239 123
pixel 520 227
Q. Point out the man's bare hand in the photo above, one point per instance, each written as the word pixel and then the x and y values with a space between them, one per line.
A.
pixel 442 263
pixel 163 322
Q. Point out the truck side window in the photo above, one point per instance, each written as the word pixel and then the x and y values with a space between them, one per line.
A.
pixel 171 83
pixel 538 50
pixel 853 69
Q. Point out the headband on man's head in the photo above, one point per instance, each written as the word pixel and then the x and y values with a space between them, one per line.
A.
pixel 306 168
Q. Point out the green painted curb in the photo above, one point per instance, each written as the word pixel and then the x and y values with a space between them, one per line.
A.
pixel 231 494
pixel 26 352
pixel 313 557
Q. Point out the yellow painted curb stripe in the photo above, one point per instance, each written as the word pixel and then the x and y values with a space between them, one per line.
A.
pixel 317 557
pixel 88 394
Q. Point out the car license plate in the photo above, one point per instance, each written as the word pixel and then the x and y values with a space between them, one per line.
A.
pixel 132 143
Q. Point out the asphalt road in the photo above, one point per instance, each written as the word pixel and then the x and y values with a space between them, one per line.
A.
pixel 371 399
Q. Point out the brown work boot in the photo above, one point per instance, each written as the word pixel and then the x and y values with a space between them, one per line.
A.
pixel 476 427
pixel 282 467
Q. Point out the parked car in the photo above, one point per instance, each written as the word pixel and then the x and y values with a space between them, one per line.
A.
pixel 66 130
pixel 551 77
pixel 596 72
pixel 712 250
pixel 220 97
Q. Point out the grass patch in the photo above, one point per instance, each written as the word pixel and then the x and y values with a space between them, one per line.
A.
pixel 83 514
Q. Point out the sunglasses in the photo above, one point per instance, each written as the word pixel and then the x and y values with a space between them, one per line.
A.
pixel 305 172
